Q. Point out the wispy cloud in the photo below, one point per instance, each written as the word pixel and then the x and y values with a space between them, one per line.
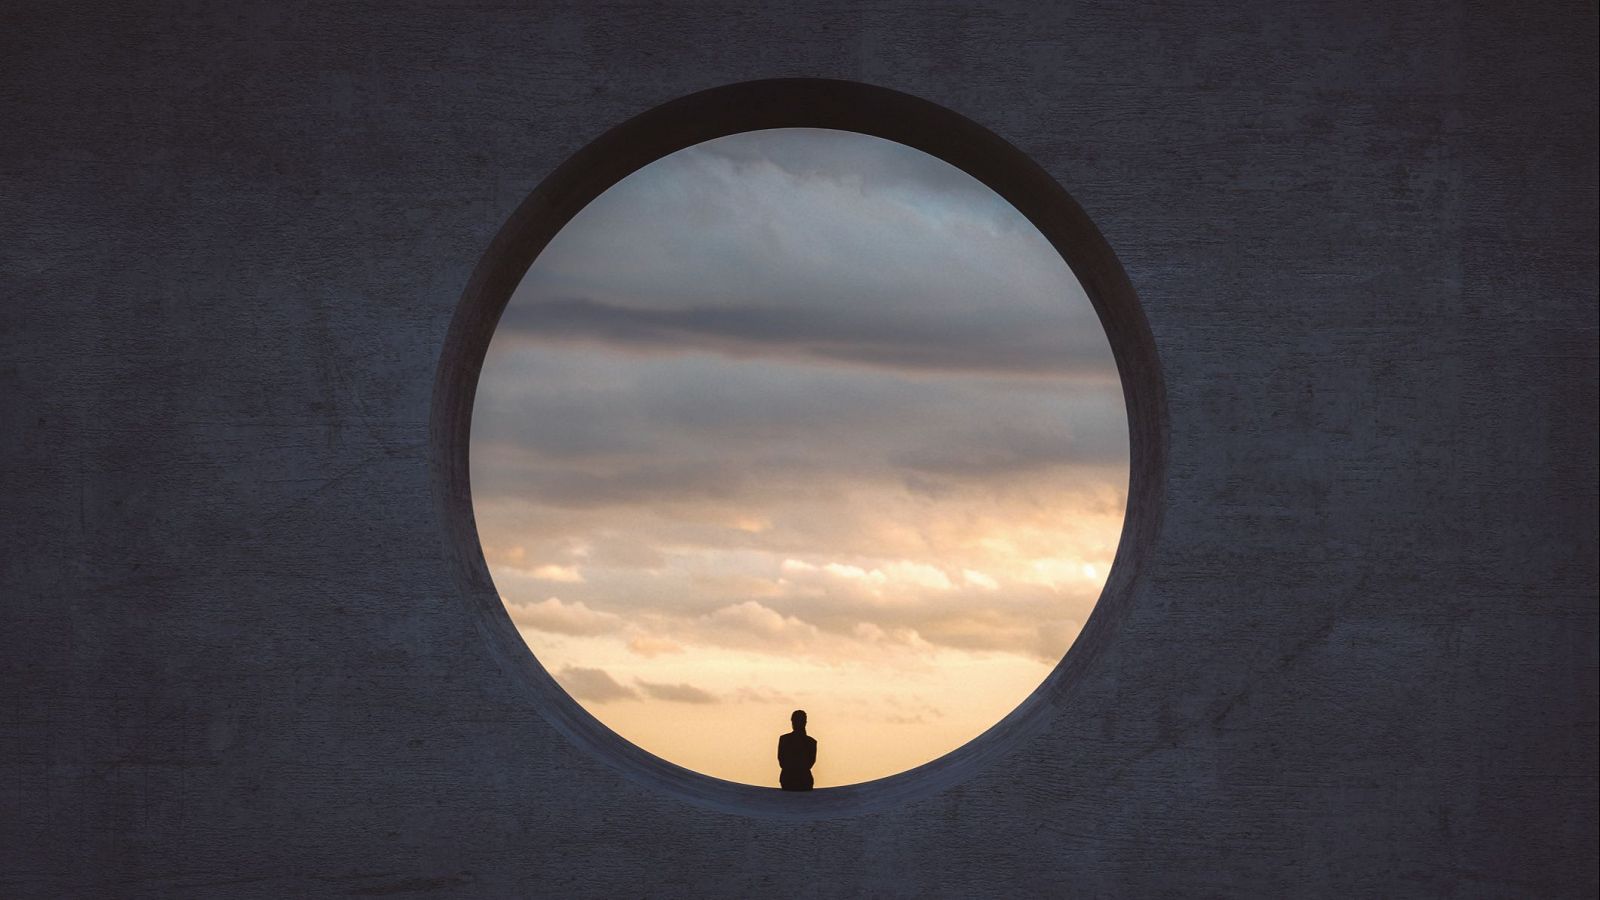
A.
pixel 593 685
pixel 676 693
pixel 599 686
pixel 974 340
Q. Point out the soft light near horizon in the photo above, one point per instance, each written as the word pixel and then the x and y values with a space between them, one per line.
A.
pixel 799 419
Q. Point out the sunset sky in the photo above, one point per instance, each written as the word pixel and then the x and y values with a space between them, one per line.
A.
pixel 799 419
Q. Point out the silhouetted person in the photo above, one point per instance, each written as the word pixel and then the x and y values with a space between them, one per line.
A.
pixel 797 753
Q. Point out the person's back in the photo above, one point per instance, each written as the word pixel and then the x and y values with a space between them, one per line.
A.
pixel 797 753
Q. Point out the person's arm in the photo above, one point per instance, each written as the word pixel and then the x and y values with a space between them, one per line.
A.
pixel 811 753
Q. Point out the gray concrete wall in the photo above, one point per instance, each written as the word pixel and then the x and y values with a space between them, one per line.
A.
pixel 1360 658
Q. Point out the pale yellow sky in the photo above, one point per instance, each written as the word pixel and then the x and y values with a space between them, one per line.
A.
pixel 799 419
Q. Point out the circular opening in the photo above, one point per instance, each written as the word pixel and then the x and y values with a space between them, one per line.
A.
pixel 799 419
pixel 755 107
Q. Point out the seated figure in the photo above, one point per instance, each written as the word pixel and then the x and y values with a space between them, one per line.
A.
pixel 797 753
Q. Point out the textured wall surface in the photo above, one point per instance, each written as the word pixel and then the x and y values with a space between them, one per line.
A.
pixel 1360 660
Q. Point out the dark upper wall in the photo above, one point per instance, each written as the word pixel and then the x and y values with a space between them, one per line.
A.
pixel 1361 657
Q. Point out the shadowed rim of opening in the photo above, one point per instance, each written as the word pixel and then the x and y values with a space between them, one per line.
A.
pixel 797 103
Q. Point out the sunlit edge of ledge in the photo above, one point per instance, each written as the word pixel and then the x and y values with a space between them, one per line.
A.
pixel 754 106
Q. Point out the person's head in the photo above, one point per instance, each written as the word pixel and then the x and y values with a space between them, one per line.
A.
pixel 798 719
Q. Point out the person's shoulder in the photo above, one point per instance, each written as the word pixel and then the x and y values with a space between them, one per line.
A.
pixel 811 740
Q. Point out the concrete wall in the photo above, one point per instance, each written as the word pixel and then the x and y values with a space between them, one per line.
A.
pixel 1359 659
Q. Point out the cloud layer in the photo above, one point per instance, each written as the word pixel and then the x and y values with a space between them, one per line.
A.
pixel 799 417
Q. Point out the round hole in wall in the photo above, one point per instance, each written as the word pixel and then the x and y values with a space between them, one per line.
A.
pixel 709 335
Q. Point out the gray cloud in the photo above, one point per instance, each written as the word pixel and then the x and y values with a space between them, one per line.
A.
pixel 675 693
pixel 593 685
pixel 581 431
pixel 630 484
pixel 831 247
pixel 1013 449
pixel 759 695
pixel 997 341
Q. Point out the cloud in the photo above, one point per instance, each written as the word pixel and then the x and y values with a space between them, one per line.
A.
pixel 593 685
pixel 838 579
pixel 552 572
pixel 763 695
pixel 909 711
pixel 876 636
pixel 977 340
pixel 979 579
pixel 586 432
pixel 651 646
pixel 1021 448
pixel 1000 631
pixel 750 623
pixel 901 572
pixel 675 693
pixel 828 248
pixel 556 617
